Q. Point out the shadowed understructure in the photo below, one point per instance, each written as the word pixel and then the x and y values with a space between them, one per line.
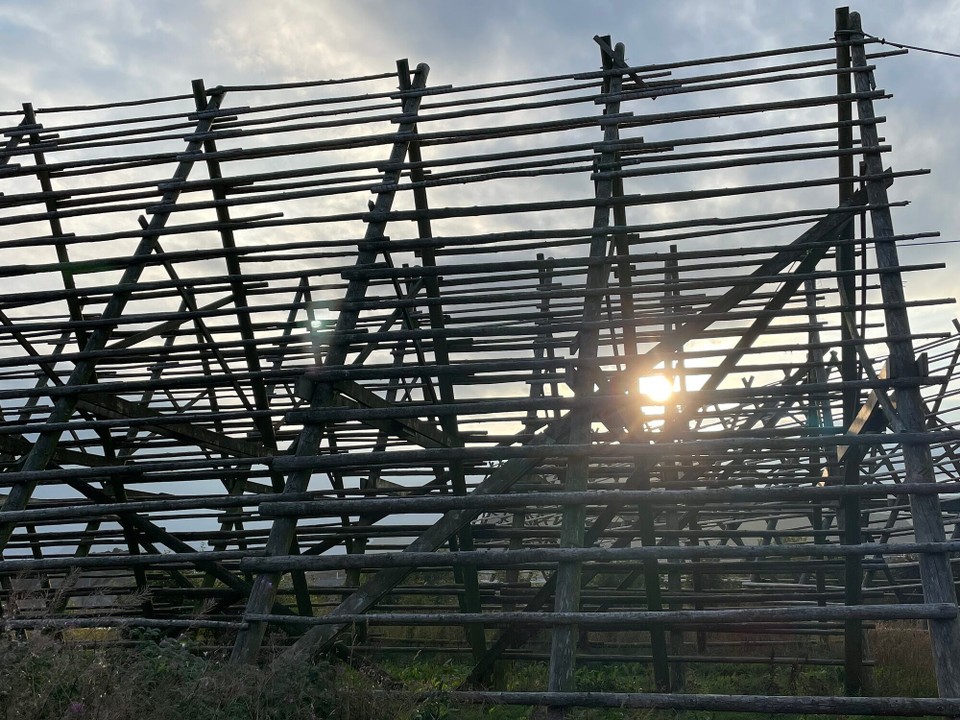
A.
pixel 602 367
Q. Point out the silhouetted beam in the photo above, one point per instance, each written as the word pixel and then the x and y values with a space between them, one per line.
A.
pixel 112 407
pixel 352 395
pixel 16 446
pixel 167 326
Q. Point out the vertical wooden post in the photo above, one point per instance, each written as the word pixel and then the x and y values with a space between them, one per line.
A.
pixel 651 586
pixel 849 371
pixel 470 600
pixel 818 416
pixel 563 645
pixel 641 474
pixel 671 476
pixel 935 572
pixel 238 291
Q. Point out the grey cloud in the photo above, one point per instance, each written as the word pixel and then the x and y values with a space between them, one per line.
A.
pixel 64 53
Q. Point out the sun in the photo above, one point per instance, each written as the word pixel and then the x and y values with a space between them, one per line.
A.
pixel 657 388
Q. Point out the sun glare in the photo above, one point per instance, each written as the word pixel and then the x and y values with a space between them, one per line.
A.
pixel 657 388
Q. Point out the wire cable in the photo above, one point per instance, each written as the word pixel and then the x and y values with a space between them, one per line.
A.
pixel 904 46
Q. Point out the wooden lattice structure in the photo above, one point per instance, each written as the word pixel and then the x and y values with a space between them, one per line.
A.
pixel 255 335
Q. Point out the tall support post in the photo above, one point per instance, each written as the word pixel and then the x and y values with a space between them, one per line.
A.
pixel 470 600
pixel 282 533
pixel 563 645
pixel 56 229
pixel 652 590
pixel 76 316
pixel 239 292
pixel 935 572
pixel 237 287
pixel 671 475
pixel 818 416
pixel 651 567
pixel 849 372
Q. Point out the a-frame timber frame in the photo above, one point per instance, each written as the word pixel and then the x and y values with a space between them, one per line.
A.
pixel 346 358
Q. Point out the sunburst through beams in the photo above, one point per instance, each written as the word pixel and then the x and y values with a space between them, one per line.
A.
pixel 656 388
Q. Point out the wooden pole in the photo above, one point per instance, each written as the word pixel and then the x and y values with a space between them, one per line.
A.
pixel 567 598
pixel 849 371
pixel 936 575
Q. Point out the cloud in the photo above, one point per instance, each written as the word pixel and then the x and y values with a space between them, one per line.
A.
pixel 64 53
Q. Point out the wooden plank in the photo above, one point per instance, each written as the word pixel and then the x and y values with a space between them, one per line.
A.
pixel 470 600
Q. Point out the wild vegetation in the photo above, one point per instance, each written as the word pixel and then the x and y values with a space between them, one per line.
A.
pixel 151 677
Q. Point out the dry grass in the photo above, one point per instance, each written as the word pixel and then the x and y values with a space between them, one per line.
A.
pixel 904 660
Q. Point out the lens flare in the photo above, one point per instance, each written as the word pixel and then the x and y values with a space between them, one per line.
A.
pixel 657 388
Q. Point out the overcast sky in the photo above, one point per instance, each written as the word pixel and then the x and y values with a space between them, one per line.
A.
pixel 57 53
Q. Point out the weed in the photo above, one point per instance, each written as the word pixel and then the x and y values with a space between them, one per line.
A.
pixel 159 680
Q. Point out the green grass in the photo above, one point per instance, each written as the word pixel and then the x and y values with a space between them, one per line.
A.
pixel 901 650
